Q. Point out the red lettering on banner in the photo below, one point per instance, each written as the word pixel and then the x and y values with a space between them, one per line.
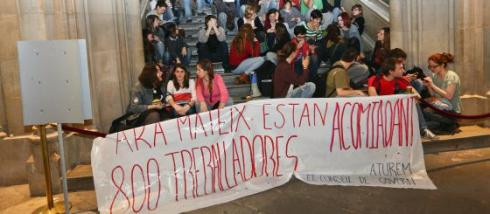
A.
pixel 149 182
pixel 211 122
pixel 226 168
pixel 305 113
pixel 132 188
pixel 388 132
pixel 186 171
pixel 216 179
pixel 159 131
pixel 118 187
pixel 175 175
pixel 342 142
pixel 293 105
pixel 282 116
pixel 184 120
pixel 139 138
pixel 219 123
pixel 241 117
pixel 356 140
pixel 119 140
pixel 204 166
pixel 264 114
pixel 195 183
pixel 276 171
pixel 291 156
pixel 236 161
pixel 322 117
pixel 199 122
pixel 336 127
pixel 271 157
pixel 252 159
pixel 263 157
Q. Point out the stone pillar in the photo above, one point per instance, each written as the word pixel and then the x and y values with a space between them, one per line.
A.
pixel 10 110
pixel 112 29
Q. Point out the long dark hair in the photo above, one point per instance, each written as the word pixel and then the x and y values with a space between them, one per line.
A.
pixel 207 19
pixel 386 40
pixel 150 20
pixel 186 77
pixel 148 77
pixel 286 51
pixel 246 34
pixel 207 65
pixel 333 34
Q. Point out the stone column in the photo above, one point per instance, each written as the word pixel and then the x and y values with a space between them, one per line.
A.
pixel 112 29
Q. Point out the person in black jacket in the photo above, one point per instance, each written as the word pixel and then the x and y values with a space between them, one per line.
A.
pixel 250 17
pixel 177 50
pixel 148 96
pixel 357 17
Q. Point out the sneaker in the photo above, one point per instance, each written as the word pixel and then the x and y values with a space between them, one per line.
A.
pixel 428 135
pixel 242 79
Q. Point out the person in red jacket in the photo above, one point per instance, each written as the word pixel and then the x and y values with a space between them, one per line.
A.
pixel 244 53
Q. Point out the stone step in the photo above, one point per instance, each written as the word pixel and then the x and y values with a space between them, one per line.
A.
pixel 80 178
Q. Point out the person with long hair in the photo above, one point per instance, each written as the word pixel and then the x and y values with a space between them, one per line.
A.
pixel 244 53
pixel 286 82
pixel 158 36
pixel 291 14
pixel 357 17
pixel 381 48
pixel 334 46
pixel 177 49
pixel 181 91
pixel 211 90
pixel 445 87
pixel 349 31
pixel 250 17
pixel 148 96
pixel 212 42
pixel 392 82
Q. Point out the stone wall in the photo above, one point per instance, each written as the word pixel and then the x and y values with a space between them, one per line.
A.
pixel 113 32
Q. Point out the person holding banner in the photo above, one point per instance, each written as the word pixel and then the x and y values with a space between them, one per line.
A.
pixel 211 90
pixel 181 92
pixel 392 82
pixel 148 97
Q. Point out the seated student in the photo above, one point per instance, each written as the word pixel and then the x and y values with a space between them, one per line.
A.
pixel 244 53
pixel 250 17
pixel 276 41
pixel 391 82
pixel 305 51
pixel 381 48
pixel 212 42
pixel 290 14
pixel 148 96
pixel 158 36
pixel 211 90
pixel 338 82
pixel 314 36
pixel 162 11
pixel 227 16
pixel 286 82
pixel 357 18
pixel 445 87
pixel 177 50
pixel 181 92
pixel 151 54
pixel 334 46
pixel 350 31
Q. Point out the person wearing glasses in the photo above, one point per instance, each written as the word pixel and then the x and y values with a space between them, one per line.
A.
pixel 445 87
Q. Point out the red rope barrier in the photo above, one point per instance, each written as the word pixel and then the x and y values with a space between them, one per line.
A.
pixel 83 131
pixel 455 115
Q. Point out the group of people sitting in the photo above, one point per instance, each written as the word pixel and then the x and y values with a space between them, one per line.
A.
pixel 285 42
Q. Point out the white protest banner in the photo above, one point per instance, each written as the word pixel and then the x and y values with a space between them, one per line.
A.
pixel 218 156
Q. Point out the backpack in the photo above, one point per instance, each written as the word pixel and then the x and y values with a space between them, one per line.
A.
pixel 321 82
pixel 264 78
pixel 127 121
